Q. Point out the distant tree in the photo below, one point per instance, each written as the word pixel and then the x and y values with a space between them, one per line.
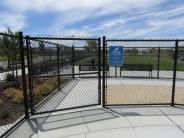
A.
pixel 127 52
pixel 92 48
pixel 8 47
pixel 153 51
pixel 41 47
pixel 134 52
pixel 91 45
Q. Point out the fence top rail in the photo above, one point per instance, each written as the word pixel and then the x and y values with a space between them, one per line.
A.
pixel 9 35
pixel 92 65
pixel 161 47
pixel 61 38
pixel 143 40
pixel 47 42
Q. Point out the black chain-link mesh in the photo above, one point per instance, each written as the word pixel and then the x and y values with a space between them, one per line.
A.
pixel 64 73
pixel 11 91
pixel 179 90
pixel 146 77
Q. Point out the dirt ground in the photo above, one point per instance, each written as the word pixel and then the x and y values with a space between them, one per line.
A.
pixel 142 94
pixel 15 110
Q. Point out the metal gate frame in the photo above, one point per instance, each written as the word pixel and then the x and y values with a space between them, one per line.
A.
pixel 29 59
pixel 104 81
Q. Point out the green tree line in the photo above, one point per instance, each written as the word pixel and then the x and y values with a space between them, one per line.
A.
pixel 9 47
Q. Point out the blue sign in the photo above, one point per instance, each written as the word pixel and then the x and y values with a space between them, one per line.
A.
pixel 116 55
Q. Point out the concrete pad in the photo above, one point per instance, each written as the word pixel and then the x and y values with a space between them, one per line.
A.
pixel 35 136
pixel 182 127
pixel 99 117
pixel 27 129
pixel 93 112
pixel 99 123
pixel 141 111
pixel 149 120
pixel 108 124
pixel 61 124
pixel 63 132
pixel 62 117
pixel 116 110
pixel 179 120
pixel 113 133
pixel 77 136
pixel 158 132
pixel 172 110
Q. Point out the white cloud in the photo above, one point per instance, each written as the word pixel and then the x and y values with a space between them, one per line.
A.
pixel 178 10
pixel 157 23
pixel 161 28
pixel 2 29
pixel 14 21
pixel 69 32
pixel 164 21
pixel 73 11
pixel 67 5
pixel 114 23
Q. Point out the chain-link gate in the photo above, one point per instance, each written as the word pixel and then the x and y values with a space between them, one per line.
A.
pixel 147 74
pixel 64 73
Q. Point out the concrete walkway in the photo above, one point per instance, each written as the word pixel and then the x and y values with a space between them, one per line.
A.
pixel 118 122
pixel 78 92
pixel 114 122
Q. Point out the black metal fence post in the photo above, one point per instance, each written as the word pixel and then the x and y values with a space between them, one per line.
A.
pixel 174 73
pixel 106 62
pixel 120 71
pixel 62 57
pixel 21 43
pixel 158 64
pixel 99 70
pixel 73 68
pixel 103 81
pixel 16 67
pixel 115 71
pixel 58 67
pixel 29 74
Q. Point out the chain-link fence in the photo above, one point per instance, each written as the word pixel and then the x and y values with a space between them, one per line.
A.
pixel 146 76
pixel 63 72
pixel 11 83
pixel 48 74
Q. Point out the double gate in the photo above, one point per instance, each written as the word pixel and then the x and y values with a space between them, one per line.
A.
pixel 63 73
pixel 69 72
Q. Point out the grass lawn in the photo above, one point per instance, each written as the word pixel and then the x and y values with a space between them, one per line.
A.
pixel 165 62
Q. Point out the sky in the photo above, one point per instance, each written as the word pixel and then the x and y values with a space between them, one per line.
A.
pixel 112 18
